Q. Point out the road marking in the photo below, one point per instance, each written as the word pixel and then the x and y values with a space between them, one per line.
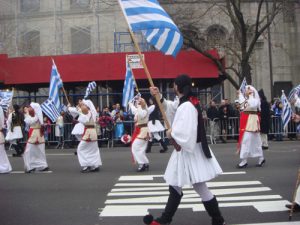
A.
pixel 274 223
pixel 136 195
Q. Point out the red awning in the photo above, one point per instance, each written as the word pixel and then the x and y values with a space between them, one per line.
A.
pixel 101 67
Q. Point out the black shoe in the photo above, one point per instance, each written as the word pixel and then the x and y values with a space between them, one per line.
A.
pixel 261 164
pixel 45 169
pixel 296 207
pixel 163 150
pixel 75 153
pixel 265 147
pixel 95 169
pixel 16 155
pixel 85 169
pixel 30 171
pixel 142 168
pixel 241 167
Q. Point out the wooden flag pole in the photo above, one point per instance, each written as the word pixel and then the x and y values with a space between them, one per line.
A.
pixel 157 97
pixel 294 195
pixel 136 86
pixel 65 93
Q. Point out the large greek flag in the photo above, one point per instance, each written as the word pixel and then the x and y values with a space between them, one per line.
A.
pixel 55 85
pixel 156 25
pixel 129 85
pixel 49 108
pixel 6 99
pixel 286 110
pixel 91 86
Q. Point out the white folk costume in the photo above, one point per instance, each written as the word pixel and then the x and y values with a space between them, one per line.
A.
pixel 140 136
pixel 34 155
pixel 192 161
pixel 155 128
pixel 250 144
pixel 5 166
pixel 88 151
pixel 78 129
pixel 14 130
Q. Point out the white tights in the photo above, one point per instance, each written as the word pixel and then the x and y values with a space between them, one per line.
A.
pixel 201 189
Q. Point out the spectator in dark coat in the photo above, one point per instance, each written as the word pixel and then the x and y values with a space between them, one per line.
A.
pixel 265 117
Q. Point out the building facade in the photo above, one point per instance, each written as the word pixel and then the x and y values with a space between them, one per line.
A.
pixel 60 27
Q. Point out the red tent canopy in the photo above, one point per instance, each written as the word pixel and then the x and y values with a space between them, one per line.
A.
pixel 102 67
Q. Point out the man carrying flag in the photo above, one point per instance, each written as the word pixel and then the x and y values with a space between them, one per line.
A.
pixel 286 111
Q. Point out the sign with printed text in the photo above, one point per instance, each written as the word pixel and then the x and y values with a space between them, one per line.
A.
pixel 135 61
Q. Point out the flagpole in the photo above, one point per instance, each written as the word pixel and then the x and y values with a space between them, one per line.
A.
pixel 65 93
pixel 136 86
pixel 157 97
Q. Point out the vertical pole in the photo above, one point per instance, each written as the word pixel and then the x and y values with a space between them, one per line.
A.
pixel 270 52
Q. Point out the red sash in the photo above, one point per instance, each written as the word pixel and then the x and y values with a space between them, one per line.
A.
pixel 136 132
pixel 243 123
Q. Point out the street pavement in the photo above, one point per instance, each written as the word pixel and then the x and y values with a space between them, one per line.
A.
pixel 118 195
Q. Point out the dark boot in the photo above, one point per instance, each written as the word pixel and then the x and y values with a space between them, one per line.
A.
pixel 163 145
pixel 149 146
pixel 171 207
pixel 18 149
pixel 212 208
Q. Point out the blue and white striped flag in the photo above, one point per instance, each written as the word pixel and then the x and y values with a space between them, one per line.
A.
pixel 243 86
pixel 55 85
pixel 5 99
pixel 129 85
pixel 49 108
pixel 293 92
pixel 286 110
pixel 91 86
pixel 155 24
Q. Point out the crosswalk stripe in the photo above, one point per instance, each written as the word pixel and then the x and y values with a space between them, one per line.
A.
pixel 274 223
pixel 214 191
pixel 209 184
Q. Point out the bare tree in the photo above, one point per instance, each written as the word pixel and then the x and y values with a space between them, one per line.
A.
pixel 246 32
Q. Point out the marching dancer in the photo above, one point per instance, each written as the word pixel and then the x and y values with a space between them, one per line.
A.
pixel 34 155
pixel 88 151
pixel 79 127
pixel 155 127
pixel 192 162
pixel 14 126
pixel 140 135
pixel 5 166
pixel 250 144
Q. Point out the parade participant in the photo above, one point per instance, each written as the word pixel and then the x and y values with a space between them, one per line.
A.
pixel 250 145
pixel 155 127
pixel 78 129
pixel 14 127
pixel 140 135
pixel 5 166
pixel 192 162
pixel 34 155
pixel 265 117
pixel 88 151
pixel 59 130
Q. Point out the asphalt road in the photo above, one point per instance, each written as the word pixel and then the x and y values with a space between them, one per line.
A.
pixel 118 195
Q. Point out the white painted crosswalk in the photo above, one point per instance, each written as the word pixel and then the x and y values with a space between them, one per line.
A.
pixel 136 195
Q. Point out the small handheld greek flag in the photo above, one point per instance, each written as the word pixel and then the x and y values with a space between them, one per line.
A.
pixel 243 86
pixel 91 86
pixel 6 99
pixel 129 85
pixel 49 108
pixel 286 110
pixel 155 24
pixel 293 92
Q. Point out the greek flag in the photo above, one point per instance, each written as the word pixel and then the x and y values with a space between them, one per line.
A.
pixel 129 85
pixel 55 85
pixel 49 108
pixel 286 110
pixel 91 86
pixel 155 24
pixel 5 99
pixel 243 86
pixel 293 92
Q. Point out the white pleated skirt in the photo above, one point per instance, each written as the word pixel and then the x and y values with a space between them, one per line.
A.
pixel 16 134
pixel 5 166
pixel 78 129
pixel 185 168
pixel 251 146
pixel 89 154
pixel 157 127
